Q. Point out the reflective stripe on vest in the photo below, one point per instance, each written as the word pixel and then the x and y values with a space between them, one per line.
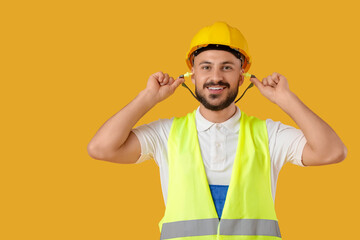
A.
pixel 190 228
pixel 249 211
pixel 227 227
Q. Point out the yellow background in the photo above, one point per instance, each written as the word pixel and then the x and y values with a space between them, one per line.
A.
pixel 68 66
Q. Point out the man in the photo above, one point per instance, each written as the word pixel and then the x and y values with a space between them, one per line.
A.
pixel 218 166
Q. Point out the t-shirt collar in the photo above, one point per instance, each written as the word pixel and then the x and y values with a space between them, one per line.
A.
pixel 232 124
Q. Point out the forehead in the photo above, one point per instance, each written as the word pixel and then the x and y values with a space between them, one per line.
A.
pixel 216 57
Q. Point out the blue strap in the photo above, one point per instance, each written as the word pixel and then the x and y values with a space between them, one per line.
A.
pixel 218 193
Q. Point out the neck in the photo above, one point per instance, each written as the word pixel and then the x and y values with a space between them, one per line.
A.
pixel 218 116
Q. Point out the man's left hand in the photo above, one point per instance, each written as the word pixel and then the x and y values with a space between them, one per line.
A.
pixel 275 87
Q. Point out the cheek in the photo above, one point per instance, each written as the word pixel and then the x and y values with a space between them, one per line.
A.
pixel 198 85
pixel 198 79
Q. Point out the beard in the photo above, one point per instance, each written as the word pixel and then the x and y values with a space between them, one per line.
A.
pixel 222 105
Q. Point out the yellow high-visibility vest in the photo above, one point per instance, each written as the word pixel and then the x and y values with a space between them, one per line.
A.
pixel 249 211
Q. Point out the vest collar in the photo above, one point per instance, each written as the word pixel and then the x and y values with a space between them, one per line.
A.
pixel 232 124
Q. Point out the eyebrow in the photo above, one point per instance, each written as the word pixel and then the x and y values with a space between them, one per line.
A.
pixel 226 62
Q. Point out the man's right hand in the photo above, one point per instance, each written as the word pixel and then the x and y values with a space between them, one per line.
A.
pixel 161 86
pixel 114 141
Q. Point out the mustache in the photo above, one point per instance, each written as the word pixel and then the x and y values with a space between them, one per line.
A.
pixel 220 83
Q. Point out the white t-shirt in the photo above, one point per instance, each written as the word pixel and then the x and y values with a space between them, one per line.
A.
pixel 218 143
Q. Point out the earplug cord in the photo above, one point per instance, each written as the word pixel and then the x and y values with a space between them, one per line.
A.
pixel 250 86
pixel 184 85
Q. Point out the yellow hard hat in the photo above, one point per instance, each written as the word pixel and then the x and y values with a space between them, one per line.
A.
pixel 222 34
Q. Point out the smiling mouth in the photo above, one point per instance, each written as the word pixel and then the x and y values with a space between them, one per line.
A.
pixel 216 88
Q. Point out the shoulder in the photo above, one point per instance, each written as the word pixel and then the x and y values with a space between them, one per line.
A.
pixel 153 137
pixel 276 127
pixel 285 142
pixel 184 122
pixel 190 115
pixel 252 121
pixel 272 125
pixel 159 127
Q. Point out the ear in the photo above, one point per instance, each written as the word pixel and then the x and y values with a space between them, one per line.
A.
pixel 241 78
pixel 193 75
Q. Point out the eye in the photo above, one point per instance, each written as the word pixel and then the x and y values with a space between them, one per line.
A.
pixel 227 67
pixel 205 67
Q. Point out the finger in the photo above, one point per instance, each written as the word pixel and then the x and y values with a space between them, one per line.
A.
pixel 159 76
pixel 265 81
pixel 275 77
pixel 282 78
pixel 166 79
pixel 268 81
pixel 177 82
pixel 171 80
pixel 271 82
pixel 283 82
pixel 257 83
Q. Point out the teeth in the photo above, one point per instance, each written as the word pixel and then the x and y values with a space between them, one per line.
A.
pixel 215 88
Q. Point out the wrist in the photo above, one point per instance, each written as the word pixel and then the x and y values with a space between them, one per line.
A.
pixel 287 100
pixel 148 98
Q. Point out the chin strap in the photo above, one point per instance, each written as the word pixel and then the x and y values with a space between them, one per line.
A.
pixel 250 86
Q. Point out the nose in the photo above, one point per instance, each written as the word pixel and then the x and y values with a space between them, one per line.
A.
pixel 217 75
